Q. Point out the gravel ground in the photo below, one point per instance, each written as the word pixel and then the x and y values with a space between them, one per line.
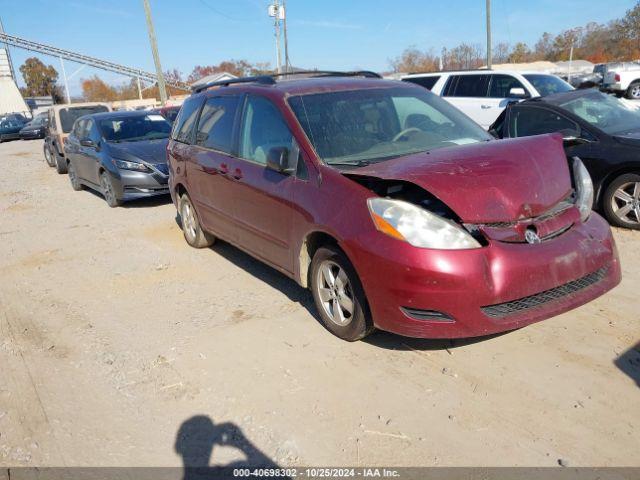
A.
pixel 122 346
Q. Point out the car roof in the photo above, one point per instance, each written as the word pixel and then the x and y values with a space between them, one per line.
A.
pixel 78 105
pixel 120 114
pixel 476 72
pixel 310 85
pixel 560 98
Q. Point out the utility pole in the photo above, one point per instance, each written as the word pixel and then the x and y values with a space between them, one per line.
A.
pixel 570 62
pixel 489 53
pixel 287 64
pixel 66 82
pixel 154 49
pixel 277 26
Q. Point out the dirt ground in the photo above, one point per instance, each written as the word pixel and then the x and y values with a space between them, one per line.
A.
pixel 122 346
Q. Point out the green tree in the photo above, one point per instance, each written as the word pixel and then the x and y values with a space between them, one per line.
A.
pixel 520 53
pixel 40 79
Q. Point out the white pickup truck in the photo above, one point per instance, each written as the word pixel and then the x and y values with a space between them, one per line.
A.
pixel 624 81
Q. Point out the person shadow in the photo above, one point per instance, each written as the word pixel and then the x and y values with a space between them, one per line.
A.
pixel 195 443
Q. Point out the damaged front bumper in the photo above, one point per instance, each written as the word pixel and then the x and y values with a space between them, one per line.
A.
pixel 503 286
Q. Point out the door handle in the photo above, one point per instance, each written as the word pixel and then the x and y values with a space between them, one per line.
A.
pixel 237 174
pixel 484 107
pixel 224 168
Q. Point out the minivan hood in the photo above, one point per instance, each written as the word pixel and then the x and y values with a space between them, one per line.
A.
pixel 490 182
pixel 150 151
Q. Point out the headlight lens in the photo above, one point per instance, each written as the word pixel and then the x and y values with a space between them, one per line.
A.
pixel 584 189
pixel 125 164
pixel 417 226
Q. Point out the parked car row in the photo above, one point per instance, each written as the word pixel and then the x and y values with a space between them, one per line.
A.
pixel 392 206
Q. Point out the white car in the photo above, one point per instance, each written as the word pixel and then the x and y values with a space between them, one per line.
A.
pixel 624 80
pixel 484 94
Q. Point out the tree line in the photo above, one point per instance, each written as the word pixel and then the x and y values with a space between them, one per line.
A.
pixel 618 40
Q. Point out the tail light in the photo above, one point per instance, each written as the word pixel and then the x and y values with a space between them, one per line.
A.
pixel 617 77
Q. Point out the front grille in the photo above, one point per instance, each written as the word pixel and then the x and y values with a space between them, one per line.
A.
pixel 509 308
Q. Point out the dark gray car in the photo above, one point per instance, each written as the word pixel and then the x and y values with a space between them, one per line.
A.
pixel 120 154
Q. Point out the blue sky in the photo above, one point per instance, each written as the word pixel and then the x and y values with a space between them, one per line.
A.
pixel 329 34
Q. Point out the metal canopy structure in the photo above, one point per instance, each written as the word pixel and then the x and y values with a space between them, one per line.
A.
pixel 84 59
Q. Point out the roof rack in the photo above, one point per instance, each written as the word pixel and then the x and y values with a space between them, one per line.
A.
pixel 271 79
pixel 262 79
pixel 330 73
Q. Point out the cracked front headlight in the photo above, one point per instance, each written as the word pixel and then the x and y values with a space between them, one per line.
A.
pixel 584 189
pixel 417 226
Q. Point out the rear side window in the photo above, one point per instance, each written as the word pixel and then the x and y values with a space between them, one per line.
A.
pixel 215 126
pixel 426 82
pixel 501 85
pixel 467 86
pixel 183 126
pixel 527 121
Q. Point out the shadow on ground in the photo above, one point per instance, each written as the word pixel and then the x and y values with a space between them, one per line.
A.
pixel 297 294
pixel 196 442
pixel 629 363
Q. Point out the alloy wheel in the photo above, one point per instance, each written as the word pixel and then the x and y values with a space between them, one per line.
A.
pixel 107 190
pixel 335 292
pixel 625 202
pixel 188 220
pixel 635 91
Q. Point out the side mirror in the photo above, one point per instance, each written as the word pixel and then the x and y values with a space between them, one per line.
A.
pixel 278 160
pixel 572 137
pixel 518 92
pixel 88 143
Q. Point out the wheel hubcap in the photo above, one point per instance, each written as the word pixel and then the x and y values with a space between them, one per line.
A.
pixel 635 91
pixel 188 220
pixel 106 188
pixel 626 202
pixel 335 293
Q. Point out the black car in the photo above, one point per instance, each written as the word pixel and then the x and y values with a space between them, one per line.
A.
pixel 10 126
pixel 36 128
pixel 120 154
pixel 604 131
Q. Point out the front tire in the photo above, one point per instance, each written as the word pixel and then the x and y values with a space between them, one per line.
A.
pixel 633 92
pixel 191 228
pixel 338 295
pixel 73 177
pixel 621 202
pixel 108 191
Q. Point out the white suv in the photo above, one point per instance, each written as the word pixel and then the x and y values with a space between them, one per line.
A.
pixel 484 94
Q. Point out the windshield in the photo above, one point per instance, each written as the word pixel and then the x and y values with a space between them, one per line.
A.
pixel 134 128
pixel 610 114
pixel 70 115
pixel 362 126
pixel 548 84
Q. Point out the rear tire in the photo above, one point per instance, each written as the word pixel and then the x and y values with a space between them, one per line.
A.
pixel 48 156
pixel 338 295
pixel 61 164
pixel 73 177
pixel 191 228
pixel 108 192
pixel 621 201
pixel 633 92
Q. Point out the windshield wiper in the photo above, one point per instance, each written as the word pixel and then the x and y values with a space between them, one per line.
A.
pixel 354 163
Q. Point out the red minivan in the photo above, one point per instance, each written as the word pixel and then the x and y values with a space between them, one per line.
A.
pixel 394 208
